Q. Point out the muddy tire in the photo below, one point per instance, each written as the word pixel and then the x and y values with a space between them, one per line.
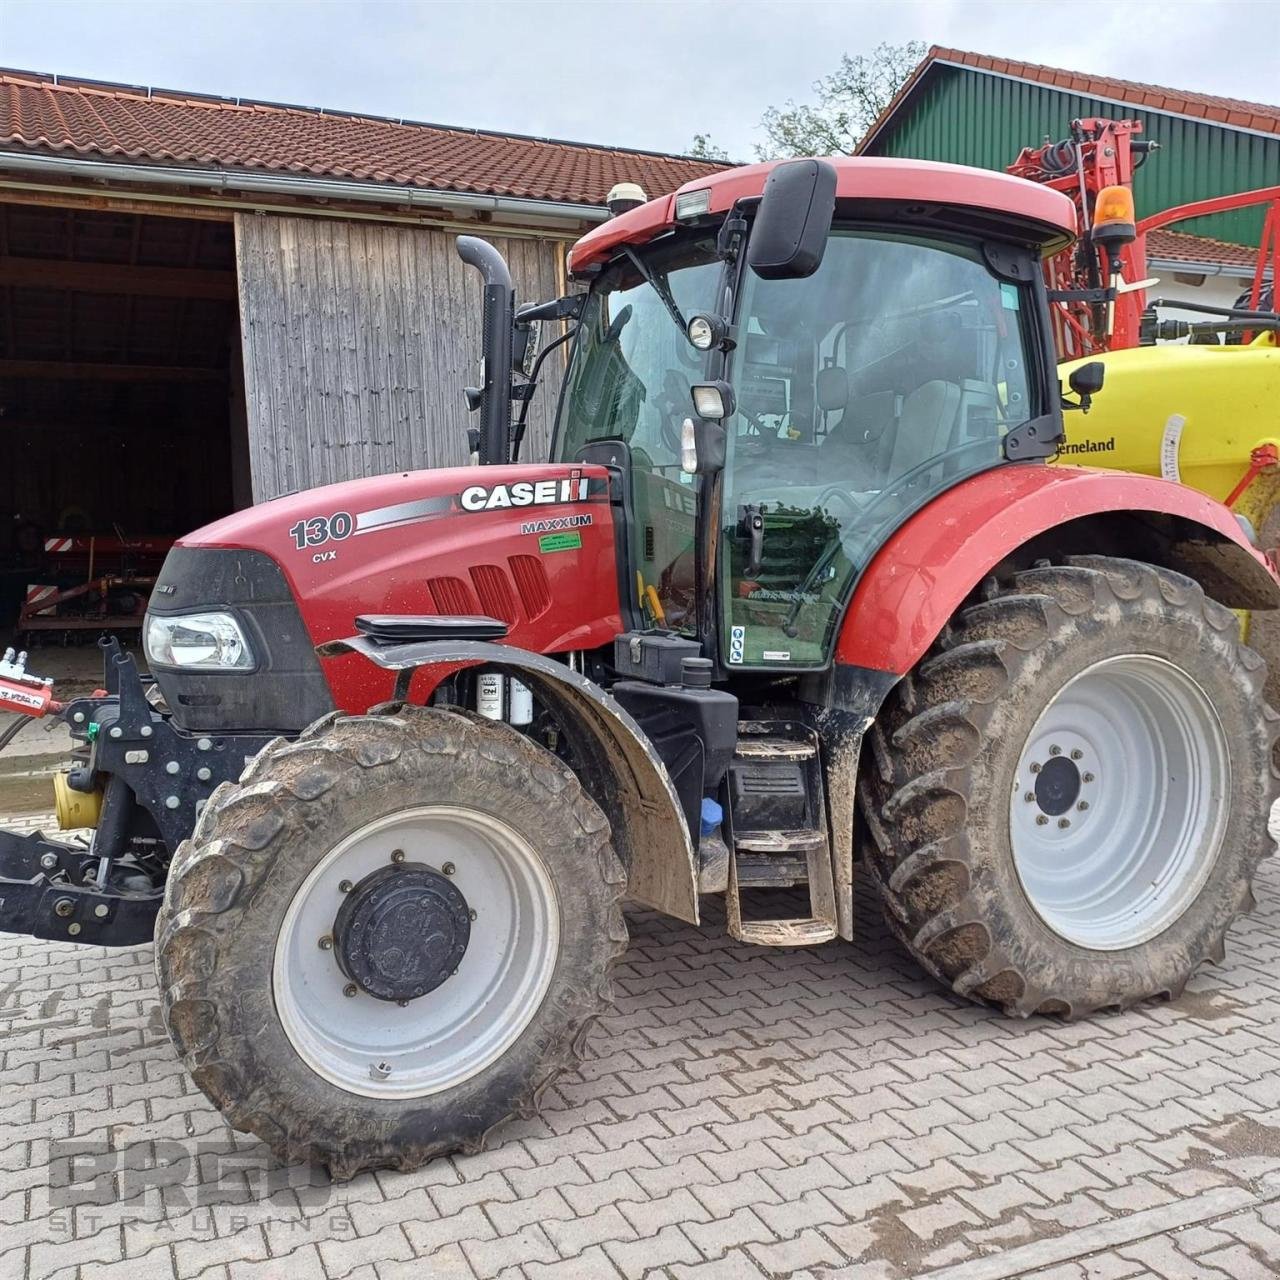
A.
pixel 288 935
pixel 1068 798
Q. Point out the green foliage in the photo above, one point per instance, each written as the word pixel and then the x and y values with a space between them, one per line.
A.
pixel 848 101
pixel 704 149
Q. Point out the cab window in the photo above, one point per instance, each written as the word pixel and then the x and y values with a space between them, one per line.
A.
pixel 894 371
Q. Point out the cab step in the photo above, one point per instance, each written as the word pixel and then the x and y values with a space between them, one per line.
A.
pixel 785 933
pixel 779 840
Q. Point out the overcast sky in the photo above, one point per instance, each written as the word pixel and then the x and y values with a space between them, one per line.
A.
pixel 643 73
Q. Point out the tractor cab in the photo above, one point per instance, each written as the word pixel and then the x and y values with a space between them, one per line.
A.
pixel 774 412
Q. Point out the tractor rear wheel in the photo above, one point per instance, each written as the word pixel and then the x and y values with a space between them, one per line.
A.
pixel 1068 798
pixel 389 937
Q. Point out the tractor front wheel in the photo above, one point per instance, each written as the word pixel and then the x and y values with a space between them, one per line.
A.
pixel 1069 797
pixel 389 937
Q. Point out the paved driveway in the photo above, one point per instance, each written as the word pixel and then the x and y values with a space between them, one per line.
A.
pixel 745 1113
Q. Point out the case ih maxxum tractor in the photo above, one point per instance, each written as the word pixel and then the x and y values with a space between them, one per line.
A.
pixel 795 611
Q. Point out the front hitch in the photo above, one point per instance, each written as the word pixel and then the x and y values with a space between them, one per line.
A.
pixel 138 780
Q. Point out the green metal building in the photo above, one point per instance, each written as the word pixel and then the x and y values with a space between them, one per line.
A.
pixel 967 108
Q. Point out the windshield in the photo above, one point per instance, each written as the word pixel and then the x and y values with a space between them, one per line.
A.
pixel 862 390
pixel 630 381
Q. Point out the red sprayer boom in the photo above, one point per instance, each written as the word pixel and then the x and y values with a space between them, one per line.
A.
pixel 1097 283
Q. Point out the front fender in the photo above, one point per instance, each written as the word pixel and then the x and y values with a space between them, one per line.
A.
pixel 619 768
pixel 933 561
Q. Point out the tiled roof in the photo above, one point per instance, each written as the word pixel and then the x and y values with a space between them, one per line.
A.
pixel 1178 246
pixel 48 114
pixel 1233 112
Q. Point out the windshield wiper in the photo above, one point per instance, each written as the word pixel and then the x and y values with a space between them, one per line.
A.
pixel 659 286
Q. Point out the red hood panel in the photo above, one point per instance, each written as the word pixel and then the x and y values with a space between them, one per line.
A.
pixel 532 545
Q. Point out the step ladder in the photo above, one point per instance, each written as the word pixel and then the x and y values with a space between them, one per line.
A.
pixel 777 823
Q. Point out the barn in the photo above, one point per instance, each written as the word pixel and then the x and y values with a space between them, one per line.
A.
pixel 970 108
pixel 207 302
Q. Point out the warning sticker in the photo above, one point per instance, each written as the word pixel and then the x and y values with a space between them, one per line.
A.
pixel 1170 447
pixel 737 642
pixel 559 542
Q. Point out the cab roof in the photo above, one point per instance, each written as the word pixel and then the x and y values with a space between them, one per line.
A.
pixel 879 178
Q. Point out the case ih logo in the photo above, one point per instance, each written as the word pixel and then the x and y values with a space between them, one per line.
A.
pixel 524 493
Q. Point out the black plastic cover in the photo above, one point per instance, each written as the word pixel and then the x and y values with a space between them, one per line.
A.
pixel 655 656
pixel 396 628
pixel 286 690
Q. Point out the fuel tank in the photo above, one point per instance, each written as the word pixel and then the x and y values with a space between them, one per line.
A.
pixel 531 545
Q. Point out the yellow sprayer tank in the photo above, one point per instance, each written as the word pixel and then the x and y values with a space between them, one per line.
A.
pixel 1189 413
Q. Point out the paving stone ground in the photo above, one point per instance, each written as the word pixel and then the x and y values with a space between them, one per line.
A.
pixel 746 1113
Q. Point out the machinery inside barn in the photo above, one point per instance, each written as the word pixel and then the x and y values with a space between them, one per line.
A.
pixel 121 402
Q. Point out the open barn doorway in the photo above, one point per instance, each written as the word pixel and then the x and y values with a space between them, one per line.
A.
pixel 121 409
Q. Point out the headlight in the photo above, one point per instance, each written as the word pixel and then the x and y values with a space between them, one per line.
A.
pixel 211 641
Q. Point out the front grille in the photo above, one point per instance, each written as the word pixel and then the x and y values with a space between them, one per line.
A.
pixel 531 585
pixel 451 596
pixel 494 589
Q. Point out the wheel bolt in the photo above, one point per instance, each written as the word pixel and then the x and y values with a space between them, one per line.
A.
pixel 1064 823
pixel 448 868
pixel 1041 820
pixel 473 915
pixel 345 887
pixel 1077 755
pixel 326 943
pixel 1035 768
pixel 1088 777
pixel 397 855
pixel 1055 751
pixel 1083 805
pixel 1029 796
pixel 349 990
pixel 404 1004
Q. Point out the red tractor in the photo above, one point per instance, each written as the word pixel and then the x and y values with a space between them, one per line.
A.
pixel 795 595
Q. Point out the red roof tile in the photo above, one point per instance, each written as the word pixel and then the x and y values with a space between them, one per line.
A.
pixel 1202 106
pixel 117 122
pixel 1178 246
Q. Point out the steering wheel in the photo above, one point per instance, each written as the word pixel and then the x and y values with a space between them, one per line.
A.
pixel 837 491
pixel 904 481
pixel 908 478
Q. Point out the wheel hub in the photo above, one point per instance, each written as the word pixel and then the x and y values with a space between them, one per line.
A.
pixel 1116 810
pixel 1057 786
pixel 401 931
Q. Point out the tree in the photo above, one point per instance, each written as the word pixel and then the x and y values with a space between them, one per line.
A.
pixel 704 149
pixel 848 102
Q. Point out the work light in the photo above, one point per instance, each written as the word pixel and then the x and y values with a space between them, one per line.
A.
pixel 209 641
pixel 712 400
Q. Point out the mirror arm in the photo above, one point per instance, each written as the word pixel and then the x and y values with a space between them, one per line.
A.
pixel 567 308
pixel 528 389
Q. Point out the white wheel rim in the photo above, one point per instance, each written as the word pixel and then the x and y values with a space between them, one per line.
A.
pixel 1145 815
pixel 378 1048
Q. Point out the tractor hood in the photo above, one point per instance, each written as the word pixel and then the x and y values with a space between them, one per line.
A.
pixel 530 545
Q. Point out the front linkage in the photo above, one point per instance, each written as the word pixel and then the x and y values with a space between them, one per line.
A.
pixel 142 782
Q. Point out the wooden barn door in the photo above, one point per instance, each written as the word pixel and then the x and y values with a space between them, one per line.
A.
pixel 358 340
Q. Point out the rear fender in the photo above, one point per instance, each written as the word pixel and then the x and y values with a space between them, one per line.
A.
pixel 1019 513
pixel 619 769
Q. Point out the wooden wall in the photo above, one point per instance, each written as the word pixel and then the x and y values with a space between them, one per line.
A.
pixel 358 340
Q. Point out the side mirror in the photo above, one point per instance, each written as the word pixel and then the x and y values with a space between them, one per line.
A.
pixel 525 344
pixel 1086 381
pixel 793 221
